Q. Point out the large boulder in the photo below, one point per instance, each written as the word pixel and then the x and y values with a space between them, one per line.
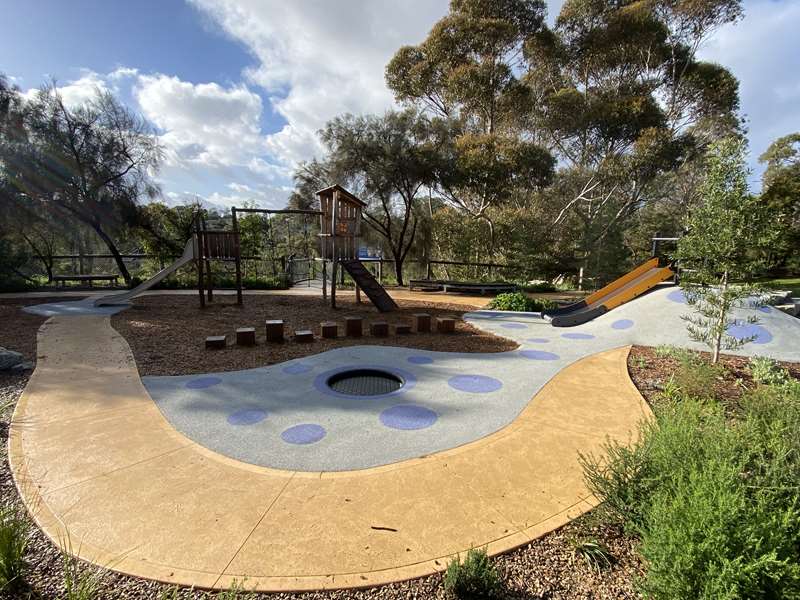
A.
pixel 10 359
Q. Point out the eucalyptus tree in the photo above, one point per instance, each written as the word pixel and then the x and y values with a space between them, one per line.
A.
pixel 92 163
pixel 621 98
pixel 467 72
pixel 781 192
pixel 389 161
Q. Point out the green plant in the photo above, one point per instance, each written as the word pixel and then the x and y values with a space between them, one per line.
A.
pixel 81 581
pixel 14 536
pixel 236 592
pixel 767 371
pixel 714 503
pixel 596 554
pixel 696 377
pixel 519 302
pixel 475 577
pixel 540 287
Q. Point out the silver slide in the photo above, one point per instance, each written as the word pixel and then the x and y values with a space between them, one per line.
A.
pixel 125 297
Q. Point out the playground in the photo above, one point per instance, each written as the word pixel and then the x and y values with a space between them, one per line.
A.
pixel 355 441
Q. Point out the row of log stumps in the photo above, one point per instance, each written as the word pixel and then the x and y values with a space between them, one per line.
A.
pixel 353 328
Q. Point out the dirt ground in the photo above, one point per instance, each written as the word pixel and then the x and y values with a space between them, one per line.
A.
pixel 167 333
pixel 17 328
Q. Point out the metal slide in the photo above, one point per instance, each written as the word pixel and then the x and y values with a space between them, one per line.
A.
pixel 125 297
pixel 619 291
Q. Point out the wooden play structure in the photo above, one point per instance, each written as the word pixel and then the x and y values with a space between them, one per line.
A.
pixel 339 234
pixel 340 230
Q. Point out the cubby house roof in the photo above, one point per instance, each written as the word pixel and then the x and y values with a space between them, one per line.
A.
pixel 341 190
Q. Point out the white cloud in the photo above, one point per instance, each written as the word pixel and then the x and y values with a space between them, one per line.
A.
pixel 78 91
pixel 320 59
pixel 202 124
pixel 123 73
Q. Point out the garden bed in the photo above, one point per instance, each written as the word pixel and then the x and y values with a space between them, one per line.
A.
pixel 167 333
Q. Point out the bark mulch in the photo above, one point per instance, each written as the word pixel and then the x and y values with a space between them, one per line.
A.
pixel 17 328
pixel 651 371
pixel 167 333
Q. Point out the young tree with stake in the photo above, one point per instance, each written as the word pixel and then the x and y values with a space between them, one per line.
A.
pixel 723 248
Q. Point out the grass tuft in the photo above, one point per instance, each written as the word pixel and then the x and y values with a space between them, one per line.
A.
pixel 14 536
pixel 596 554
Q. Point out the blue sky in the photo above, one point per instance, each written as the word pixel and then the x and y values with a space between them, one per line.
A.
pixel 238 88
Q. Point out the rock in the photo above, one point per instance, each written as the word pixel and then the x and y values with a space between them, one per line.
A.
pixel 23 366
pixel 9 359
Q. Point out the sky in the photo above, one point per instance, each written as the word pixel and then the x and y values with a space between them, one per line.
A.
pixel 237 89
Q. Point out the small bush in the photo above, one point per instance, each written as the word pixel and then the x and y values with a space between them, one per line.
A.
pixel 714 503
pixel 519 302
pixel 14 535
pixel 766 371
pixel 474 578
pixel 695 377
pixel 541 287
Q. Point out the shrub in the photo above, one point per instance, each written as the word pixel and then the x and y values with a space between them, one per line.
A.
pixel 475 577
pixel 714 503
pixel 519 302
pixel 696 377
pixel 540 287
pixel 14 535
pixel 766 371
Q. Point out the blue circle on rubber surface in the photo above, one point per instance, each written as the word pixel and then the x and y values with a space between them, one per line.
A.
pixel 408 417
pixel 476 384
pixel 407 377
pixel 742 330
pixel 247 416
pixel 622 324
pixel 539 355
pixel 538 340
pixel 577 336
pixel 202 382
pixel 514 325
pixel 305 433
pixel 297 368
pixel 420 360
pixel 677 296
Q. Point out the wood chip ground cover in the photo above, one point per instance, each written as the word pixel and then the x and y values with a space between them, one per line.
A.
pixel 167 333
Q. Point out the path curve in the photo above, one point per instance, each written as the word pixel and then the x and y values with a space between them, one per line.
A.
pixel 95 460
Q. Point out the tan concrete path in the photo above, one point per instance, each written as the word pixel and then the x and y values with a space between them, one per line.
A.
pixel 96 462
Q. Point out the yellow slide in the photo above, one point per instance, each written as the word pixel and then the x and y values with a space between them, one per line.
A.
pixel 619 291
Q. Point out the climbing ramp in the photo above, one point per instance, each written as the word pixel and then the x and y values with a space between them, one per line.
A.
pixel 374 290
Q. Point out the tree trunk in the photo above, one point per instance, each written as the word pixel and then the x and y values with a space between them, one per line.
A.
pixel 123 270
pixel 721 323
pixel 398 267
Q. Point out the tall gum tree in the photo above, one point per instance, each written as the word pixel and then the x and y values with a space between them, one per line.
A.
pixel 467 70
pixel 620 97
